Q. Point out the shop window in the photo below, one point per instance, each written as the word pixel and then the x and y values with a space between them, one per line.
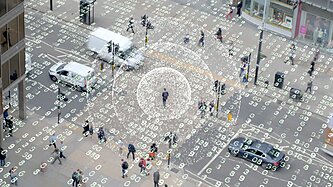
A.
pixel 258 9
pixel 315 29
pixel 247 6
pixel 14 67
pixel 2 7
pixel 12 30
pixel 5 75
pixel 13 3
pixel 21 33
pixel 22 63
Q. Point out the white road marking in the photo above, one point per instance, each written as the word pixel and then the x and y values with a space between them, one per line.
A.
pixel 220 151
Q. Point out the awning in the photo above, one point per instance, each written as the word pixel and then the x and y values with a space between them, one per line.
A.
pixel 323 4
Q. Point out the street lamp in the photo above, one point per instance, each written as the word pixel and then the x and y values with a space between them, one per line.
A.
pixel 51 5
pixel 60 97
pixel 219 88
pixel 114 49
pixel 146 23
pixel 260 43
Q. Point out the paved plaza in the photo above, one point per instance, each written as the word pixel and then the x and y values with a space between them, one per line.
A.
pixel 129 104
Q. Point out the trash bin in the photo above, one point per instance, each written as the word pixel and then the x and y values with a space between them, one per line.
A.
pixel 43 167
pixel 278 80
pixel 296 94
pixel 266 83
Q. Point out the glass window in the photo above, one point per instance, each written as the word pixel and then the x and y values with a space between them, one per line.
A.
pixel 5 75
pixel 247 6
pixel 22 63
pixel 12 3
pixel 12 30
pixel 14 67
pixel 4 39
pixel 2 7
pixel 258 9
pixel 21 31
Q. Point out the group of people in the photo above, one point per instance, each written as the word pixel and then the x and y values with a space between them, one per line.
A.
pixel 58 152
pixel 202 107
pixel 77 177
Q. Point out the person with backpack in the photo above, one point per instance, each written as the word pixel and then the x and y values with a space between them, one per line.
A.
pixel 219 34
pixel 10 126
pixel 53 140
pixel 153 151
pixel 131 149
pixel 124 167
pixel 76 178
pixel 142 165
pixel 203 109
pixel 101 135
pixel 2 157
pixel 13 175
pixel 211 108
pixel 229 14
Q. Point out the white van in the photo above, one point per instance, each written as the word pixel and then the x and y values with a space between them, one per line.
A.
pixel 28 63
pixel 128 54
pixel 78 75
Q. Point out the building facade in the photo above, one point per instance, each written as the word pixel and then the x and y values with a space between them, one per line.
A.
pixel 12 53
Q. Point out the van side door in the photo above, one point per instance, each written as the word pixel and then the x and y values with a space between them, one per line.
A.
pixel 64 76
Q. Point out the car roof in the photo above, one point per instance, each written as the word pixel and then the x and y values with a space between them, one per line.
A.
pixel 107 35
pixel 261 146
pixel 78 68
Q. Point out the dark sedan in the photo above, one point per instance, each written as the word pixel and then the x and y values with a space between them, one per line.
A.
pixel 257 152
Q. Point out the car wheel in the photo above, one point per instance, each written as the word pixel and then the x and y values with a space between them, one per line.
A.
pixel 126 67
pixel 234 152
pixel 54 79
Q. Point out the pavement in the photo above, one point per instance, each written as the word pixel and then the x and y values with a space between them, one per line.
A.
pixel 261 113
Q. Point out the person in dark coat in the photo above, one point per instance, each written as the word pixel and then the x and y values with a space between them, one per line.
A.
pixel 239 8
pixel 156 177
pixel 131 149
pixel 2 157
pixel 85 128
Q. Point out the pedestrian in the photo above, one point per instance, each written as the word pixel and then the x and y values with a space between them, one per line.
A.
pixel 91 130
pixel 124 167
pixel 165 95
pixel 13 175
pixel 62 148
pixel 5 114
pixel 85 127
pixel 2 157
pixel 200 103
pixel 292 51
pixel 239 8
pixel 142 165
pixel 101 135
pixel 10 126
pixel 80 177
pixel 202 39
pixel 186 39
pixel 211 108
pixel 231 48
pixel 53 140
pixel 203 109
pixel 76 178
pixel 131 25
pixel 229 13
pixel 315 58
pixel 219 34
pixel 148 166
pixel 242 69
pixel 156 177
pixel 309 87
pixel 121 146
pixel 153 151
pixel 56 156
pixel 131 149
pixel 311 70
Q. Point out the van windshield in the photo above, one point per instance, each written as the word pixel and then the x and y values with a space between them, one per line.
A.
pixel 61 67
pixel 130 52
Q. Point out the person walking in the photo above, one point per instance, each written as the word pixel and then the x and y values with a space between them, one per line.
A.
pixel 124 167
pixel 219 34
pixel 142 165
pixel 86 128
pixel 5 114
pixel 13 175
pixel 131 149
pixel 203 109
pixel 56 156
pixel 53 140
pixel 292 51
pixel 156 178
pixel 61 149
pixel 231 48
pixel 101 135
pixel 10 126
pixel 239 8
pixel 121 147
pixel 202 39
pixel 76 178
pixel 309 87
pixel 229 14
pixel 2 157
pixel 153 151
pixel 131 25
pixel 186 39
pixel 211 108
pixel 311 70
pixel 165 95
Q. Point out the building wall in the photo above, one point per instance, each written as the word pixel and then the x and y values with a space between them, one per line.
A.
pixel 12 53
